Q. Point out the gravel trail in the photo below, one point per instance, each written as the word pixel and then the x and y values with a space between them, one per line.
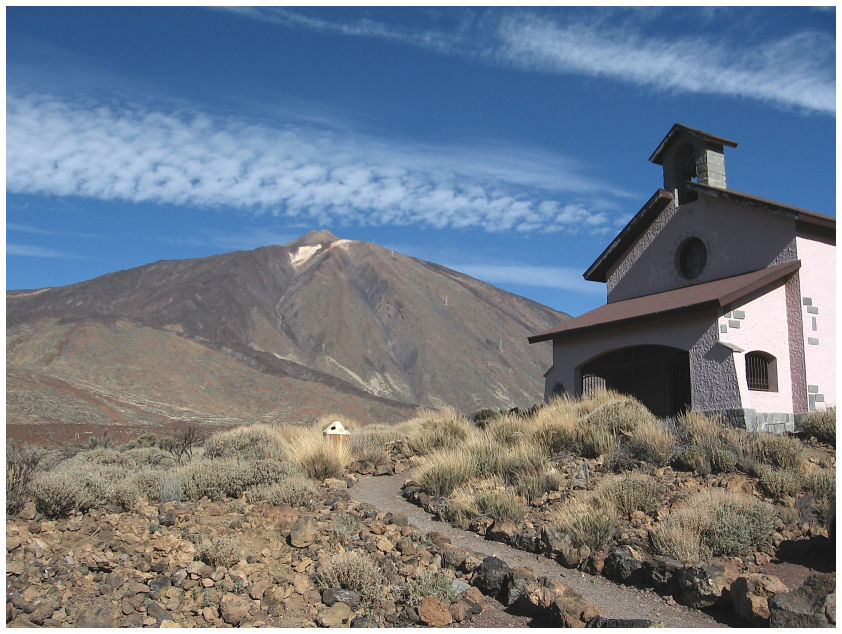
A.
pixel 615 601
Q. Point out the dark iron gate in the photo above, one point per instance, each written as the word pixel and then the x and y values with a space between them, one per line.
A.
pixel 658 376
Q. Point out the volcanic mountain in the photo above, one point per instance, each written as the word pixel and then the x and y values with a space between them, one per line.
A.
pixel 320 325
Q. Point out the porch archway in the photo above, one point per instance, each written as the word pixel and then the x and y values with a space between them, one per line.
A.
pixel 657 376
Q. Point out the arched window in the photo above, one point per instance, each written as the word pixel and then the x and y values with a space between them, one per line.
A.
pixel 761 372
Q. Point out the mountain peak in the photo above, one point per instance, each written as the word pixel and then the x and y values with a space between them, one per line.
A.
pixel 313 238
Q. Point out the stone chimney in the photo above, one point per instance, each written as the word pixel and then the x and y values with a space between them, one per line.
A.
pixel 690 155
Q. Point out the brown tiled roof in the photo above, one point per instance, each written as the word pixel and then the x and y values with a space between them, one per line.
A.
pixel 658 154
pixel 718 292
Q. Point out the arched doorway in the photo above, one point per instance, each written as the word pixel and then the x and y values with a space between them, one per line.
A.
pixel 657 376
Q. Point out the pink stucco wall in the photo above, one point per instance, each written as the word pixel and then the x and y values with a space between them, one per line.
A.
pixel 818 286
pixel 649 266
pixel 761 326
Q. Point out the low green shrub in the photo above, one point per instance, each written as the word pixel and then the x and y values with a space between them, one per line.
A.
pixel 779 483
pixel 821 424
pixel 255 442
pixel 739 528
pixel 723 460
pixel 220 552
pixel 21 463
pixel 218 479
pixel 355 571
pixel 775 450
pixel 821 485
pixel 61 491
pixel 294 491
pixel 430 584
pixel 714 523
pixel 692 458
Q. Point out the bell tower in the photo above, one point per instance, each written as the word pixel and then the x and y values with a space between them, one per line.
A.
pixel 690 155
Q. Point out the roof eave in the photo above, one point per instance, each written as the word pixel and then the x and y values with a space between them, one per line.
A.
pixel 597 272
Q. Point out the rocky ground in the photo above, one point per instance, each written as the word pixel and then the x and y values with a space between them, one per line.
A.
pixel 209 564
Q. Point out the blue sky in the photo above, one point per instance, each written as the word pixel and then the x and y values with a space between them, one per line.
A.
pixel 510 144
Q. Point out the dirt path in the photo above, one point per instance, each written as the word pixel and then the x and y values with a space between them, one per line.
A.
pixel 615 601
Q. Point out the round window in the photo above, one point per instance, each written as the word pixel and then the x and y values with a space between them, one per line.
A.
pixel 692 257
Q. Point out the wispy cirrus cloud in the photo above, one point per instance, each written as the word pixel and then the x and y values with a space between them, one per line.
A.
pixel 41 252
pixel 562 278
pixel 792 70
pixel 12 226
pixel 136 154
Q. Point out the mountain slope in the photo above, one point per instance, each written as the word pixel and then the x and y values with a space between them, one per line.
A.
pixel 317 325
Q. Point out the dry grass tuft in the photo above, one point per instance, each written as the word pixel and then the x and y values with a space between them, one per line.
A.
pixel 586 522
pixel 445 470
pixel 433 430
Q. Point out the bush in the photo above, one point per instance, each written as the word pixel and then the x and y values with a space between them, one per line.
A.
pixel 430 584
pixel 586 525
pixel 433 430
pixel 555 426
pixel 700 429
pixel 779 483
pixel 458 511
pixel 255 442
pixel 531 487
pixel 62 491
pixel 651 441
pixel 821 424
pixel 594 442
pixel 124 494
pixel 318 456
pixel 218 479
pixel 501 505
pixel 821 485
pixel 519 461
pixel 723 460
pixel 220 552
pixel 692 458
pixel 294 491
pixel 714 523
pixel 355 571
pixel 507 430
pixel 485 415
pixel 776 450
pixel 636 492
pixel 444 471
pixel 369 448
pixel 679 536
pixel 180 445
pixel 21 463
pixel 622 414
pixel 485 456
